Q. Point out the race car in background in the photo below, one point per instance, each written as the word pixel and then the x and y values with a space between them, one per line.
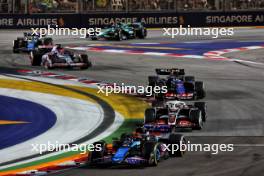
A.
pixel 135 149
pixel 169 116
pixel 43 56
pixel 121 31
pixel 179 86
pixel 29 42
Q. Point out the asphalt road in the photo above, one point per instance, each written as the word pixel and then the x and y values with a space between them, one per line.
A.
pixel 235 97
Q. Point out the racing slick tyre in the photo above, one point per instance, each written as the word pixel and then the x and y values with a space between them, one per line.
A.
pixel 84 58
pixel 15 46
pixel 202 107
pixel 124 36
pixel 152 83
pixel 151 152
pixel 87 35
pixel 47 65
pixel 153 80
pixel 150 115
pixel 158 103
pixel 35 58
pixel 94 38
pixel 199 89
pixel 196 118
pixel 182 72
pixel 189 78
pixel 177 139
pixel 93 155
pixel 119 36
pixel 142 34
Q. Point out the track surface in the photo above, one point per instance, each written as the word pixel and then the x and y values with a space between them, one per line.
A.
pixel 235 102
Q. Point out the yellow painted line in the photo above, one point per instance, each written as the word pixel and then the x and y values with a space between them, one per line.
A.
pixel 10 122
pixel 130 107
pixel 40 87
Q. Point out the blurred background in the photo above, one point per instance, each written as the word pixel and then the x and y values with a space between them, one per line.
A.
pixel 90 6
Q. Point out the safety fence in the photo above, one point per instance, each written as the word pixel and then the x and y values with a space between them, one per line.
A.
pixel 158 19
pixel 91 6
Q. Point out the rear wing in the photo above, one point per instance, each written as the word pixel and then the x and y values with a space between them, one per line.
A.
pixel 31 34
pixel 171 71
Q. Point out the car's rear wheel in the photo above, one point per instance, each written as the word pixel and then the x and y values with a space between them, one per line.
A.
pixel 150 115
pixel 151 152
pixel 142 33
pixel 202 107
pixel 177 139
pixel 15 46
pixel 85 60
pixel 93 155
pixel 120 35
pixel 158 103
pixel 189 78
pixel 94 38
pixel 196 118
pixel 35 58
pixel 153 80
pixel 47 65
pixel 199 89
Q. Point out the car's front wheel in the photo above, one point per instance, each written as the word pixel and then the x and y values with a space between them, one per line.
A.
pixel 15 46
pixel 152 153
pixel 35 58
pixel 47 65
pixel 93 155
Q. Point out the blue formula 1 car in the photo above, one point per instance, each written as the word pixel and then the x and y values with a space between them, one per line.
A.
pixel 29 42
pixel 121 31
pixel 137 149
pixel 179 86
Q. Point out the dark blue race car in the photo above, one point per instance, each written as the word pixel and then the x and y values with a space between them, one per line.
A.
pixel 178 85
pixel 29 42
pixel 136 149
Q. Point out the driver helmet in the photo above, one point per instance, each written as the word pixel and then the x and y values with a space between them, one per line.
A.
pixel 175 105
pixel 172 117
pixel 128 140
pixel 137 135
